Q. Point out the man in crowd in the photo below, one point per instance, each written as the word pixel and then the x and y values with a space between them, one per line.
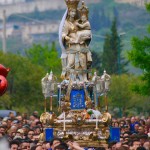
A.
pixel 14 145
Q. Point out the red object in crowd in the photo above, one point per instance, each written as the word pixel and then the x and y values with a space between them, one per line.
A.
pixel 3 85
pixel 4 71
pixel 3 82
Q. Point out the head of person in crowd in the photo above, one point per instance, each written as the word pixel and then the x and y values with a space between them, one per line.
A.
pixel 126 137
pixel 36 117
pixel 25 128
pixel 30 134
pixel 143 138
pixel 14 145
pixel 20 133
pixel 100 148
pixel 15 122
pixel 147 129
pixel 48 145
pixel 37 130
pixel 25 145
pixel 140 148
pixel 116 124
pixel 36 113
pixel 121 123
pixel 61 146
pixel 132 120
pixel 112 145
pixel 125 144
pixel 141 130
pixel 142 122
pixel 12 131
pixel 137 119
pixel 118 145
pixel 33 147
pixel 73 145
pixel 36 137
pixel 19 117
pixel 25 121
pixel 25 116
pixel 39 147
pixel 126 129
pixel 11 115
pixel 44 146
pixel 3 129
pixel 128 121
pixel 9 121
pixel 147 145
pixel 32 124
pixel 136 144
pixel 55 142
pixel 112 124
pixel 38 123
pixel 136 127
pixel 4 121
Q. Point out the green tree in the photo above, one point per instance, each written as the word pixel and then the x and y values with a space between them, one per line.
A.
pixel 139 56
pixel 24 80
pixel 122 97
pixel 45 56
pixel 120 94
pixel 112 60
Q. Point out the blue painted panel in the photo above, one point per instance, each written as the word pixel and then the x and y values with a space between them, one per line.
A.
pixel 77 98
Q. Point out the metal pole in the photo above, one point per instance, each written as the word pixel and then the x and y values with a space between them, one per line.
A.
pixel 4 31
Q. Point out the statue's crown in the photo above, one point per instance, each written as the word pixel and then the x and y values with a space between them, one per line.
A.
pixel 83 10
pixel 72 3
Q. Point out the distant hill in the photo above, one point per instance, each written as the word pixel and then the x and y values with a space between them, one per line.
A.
pixel 132 21
pixel 15 7
pixel 139 3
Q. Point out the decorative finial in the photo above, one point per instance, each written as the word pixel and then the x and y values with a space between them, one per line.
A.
pixel 83 10
pixel 72 3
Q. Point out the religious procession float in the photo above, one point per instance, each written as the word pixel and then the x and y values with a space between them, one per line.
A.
pixel 80 117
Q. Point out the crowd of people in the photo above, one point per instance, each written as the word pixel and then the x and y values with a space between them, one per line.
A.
pixel 22 132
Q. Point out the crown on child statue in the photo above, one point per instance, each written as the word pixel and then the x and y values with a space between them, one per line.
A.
pixel 72 3
pixel 83 10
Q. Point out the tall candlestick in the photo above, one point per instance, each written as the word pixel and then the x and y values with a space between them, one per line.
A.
pixel 64 121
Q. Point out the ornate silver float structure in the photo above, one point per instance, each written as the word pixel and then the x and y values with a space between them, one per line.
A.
pixel 80 118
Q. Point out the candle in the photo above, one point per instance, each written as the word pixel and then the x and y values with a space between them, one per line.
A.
pixel 45 104
pixel 60 96
pixel 96 122
pixel 51 103
pixel 64 121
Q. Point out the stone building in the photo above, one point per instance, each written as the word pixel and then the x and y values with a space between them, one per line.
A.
pixel 9 2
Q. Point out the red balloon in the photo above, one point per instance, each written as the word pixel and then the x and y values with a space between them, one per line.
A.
pixel 4 71
pixel 3 85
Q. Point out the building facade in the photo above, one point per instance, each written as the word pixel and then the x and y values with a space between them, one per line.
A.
pixel 9 2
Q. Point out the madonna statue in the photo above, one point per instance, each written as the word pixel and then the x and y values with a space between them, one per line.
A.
pixel 75 36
